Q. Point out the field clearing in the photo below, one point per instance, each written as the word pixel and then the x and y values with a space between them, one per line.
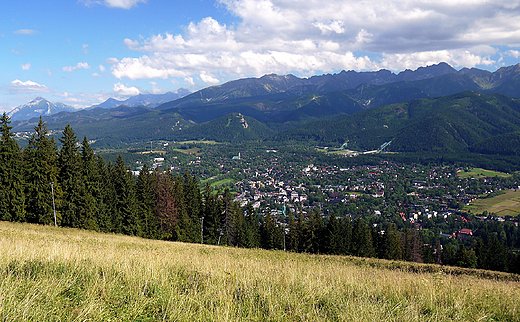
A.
pixel 56 274
pixel 506 204
pixel 195 151
pixel 201 141
pixel 479 173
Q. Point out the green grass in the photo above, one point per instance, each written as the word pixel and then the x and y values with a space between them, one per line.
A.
pixel 506 204
pixel 199 141
pixel 479 173
pixel 195 151
pixel 56 274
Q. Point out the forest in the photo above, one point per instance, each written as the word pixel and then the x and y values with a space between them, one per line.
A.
pixel 72 186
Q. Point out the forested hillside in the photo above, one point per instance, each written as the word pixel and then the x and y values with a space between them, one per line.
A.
pixel 451 124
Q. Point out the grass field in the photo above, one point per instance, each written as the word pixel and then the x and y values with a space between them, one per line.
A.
pixel 506 204
pixel 57 274
pixel 201 141
pixel 195 151
pixel 481 173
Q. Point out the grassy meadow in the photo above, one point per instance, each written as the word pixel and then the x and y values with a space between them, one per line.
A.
pixel 506 204
pixel 479 173
pixel 57 274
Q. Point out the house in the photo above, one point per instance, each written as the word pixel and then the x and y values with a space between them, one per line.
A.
pixel 463 234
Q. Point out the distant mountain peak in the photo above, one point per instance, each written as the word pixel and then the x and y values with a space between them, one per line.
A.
pixel 36 107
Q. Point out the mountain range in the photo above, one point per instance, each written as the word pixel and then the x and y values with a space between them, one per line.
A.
pixel 36 107
pixel 454 110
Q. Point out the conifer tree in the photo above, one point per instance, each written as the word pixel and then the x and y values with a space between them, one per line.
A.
pixel 167 211
pixel 392 243
pixel 42 170
pixel 293 236
pixel 252 228
pixel 147 203
pixel 91 201
pixel 314 233
pixel 126 210
pixel 12 197
pixel 108 217
pixel 362 239
pixel 71 180
pixel 212 216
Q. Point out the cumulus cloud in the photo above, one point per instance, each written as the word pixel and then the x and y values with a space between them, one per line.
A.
pixel 125 91
pixel 78 66
pixel 26 66
pixel 123 4
pixel 284 36
pixel 27 87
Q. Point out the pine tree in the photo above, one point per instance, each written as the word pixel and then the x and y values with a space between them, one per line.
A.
pixel 314 232
pixel 167 211
pixel 126 210
pixel 42 170
pixel 147 203
pixel 71 180
pixel 212 216
pixel 362 239
pixel 293 236
pixel 12 197
pixel 91 201
pixel 108 216
pixel 252 228
pixel 392 243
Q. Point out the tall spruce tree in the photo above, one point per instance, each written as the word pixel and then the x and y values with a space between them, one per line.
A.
pixel 147 203
pixel 91 201
pixel 12 197
pixel 166 208
pixel 126 210
pixel 71 180
pixel 41 165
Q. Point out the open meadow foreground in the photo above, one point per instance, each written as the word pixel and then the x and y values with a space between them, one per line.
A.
pixel 58 274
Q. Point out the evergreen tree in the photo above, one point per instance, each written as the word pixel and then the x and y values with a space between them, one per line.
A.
pixel 392 242
pixel 12 197
pixel 252 228
pixel 167 212
pixel 91 201
pixel 362 239
pixel 293 236
pixel 108 216
pixel 71 180
pixel 212 216
pixel 42 170
pixel 147 203
pixel 126 211
pixel 314 232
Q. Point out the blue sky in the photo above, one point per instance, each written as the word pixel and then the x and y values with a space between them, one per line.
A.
pixel 83 52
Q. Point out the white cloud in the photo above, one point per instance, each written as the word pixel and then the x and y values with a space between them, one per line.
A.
pixel 123 4
pixel 125 91
pixel 27 87
pixel 26 32
pixel 78 66
pixel 283 36
pixel 155 89
pixel 208 79
pixel 514 53
pixel 96 74
pixel 26 66
pixel 85 49
pixel 102 68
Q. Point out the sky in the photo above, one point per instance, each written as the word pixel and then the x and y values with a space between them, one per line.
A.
pixel 83 52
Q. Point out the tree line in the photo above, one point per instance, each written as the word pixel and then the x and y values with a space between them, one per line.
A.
pixel 76 188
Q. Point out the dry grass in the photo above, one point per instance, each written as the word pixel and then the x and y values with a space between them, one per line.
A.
pixel 56 274
pixel 506 204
